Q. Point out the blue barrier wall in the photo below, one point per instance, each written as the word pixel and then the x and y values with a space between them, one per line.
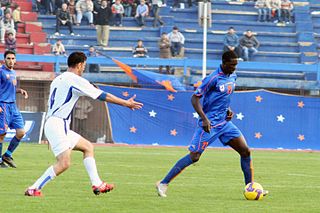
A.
pixel 267 120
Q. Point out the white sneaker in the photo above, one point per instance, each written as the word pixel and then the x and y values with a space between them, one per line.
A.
pixel 240 59
pixel 162 189
pixel 72 34
pixel 56 34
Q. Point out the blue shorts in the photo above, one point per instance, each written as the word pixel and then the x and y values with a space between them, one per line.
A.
pixel 10 117
pixel 202 139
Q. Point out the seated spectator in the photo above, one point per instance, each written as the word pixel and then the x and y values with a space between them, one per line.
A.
pixel 103 16
pixel 249 45
pixel 231 42
pixel 139 51
pixel 286 11
pixel 261 6
pixel 6 26
pixel 58 48
pixel 72 11
pixel 141 13
pixel 127 5
pixel 10 42
pixel 63 18
pixel 16 15
pixel 176 41
pixel 165 52
pixel 276 10
pixel 84 8
pixel 117 12
pixel 93 68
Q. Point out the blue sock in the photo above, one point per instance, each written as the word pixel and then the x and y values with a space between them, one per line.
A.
pixel 247 169
pixel 1 151
pixel 14 143
pixel 177 168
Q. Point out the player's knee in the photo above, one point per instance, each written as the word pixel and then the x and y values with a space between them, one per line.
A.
pixel 20 134
pixel 2 137
pixel 245 153
pixel 64 164
pixel 195 157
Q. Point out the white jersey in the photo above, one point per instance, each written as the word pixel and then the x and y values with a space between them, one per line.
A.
pixel 65 90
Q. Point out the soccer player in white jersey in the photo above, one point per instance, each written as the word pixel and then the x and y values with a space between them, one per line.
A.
pixel 64 93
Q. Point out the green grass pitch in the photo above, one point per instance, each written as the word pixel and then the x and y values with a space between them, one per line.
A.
pixel 214 184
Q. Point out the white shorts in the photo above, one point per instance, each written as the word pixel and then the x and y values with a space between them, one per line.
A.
pixel 60 137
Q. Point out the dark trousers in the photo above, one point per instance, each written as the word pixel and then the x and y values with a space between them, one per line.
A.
pixel 157 18
pixel 59 23
pixel 175 48
pixel 237 50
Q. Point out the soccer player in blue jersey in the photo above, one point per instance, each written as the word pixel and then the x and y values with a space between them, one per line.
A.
pixel 214 122
pixel 10 115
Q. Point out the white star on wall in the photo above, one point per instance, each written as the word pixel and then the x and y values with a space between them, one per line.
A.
pixel 152 114
pixel 280 118
pixel 240 116
pixel 195 115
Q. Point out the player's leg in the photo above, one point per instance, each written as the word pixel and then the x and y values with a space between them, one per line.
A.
pixel 3 129
pixel 2 164
pixel 98 186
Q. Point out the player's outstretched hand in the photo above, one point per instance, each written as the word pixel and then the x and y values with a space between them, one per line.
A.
pixel 206 125
pixel 132 104
pixel 229 115
pixel 24 93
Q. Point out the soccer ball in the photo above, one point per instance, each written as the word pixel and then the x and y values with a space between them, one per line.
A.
pixel 253 191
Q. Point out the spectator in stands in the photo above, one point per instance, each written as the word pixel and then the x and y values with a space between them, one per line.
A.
pixel 102 23
pixel 139 51
pixel 231 42
pixel 117 11
pixel 93 68
pixel 261 6
pixel 165 52
pixel 84 8
pixel 156 6
pixel 72 11
pixel 176 41
pixel 63 18
pixel 6 26
pixel 286 11
pixel 11 42
pixel 249 45
pixel 127 5
pixel 37 5
pixel 58 5
pixel 276 10
pixel 16 15
pixel 48 5
pixel 141 13
pixel 58 48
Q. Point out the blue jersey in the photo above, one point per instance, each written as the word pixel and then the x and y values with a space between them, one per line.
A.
pixel 216 90
pixel 8 83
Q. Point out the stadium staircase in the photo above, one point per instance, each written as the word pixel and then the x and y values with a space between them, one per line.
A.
pixel 31 40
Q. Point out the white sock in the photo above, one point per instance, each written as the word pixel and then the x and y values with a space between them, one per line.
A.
pixel 90 165
pixel 47 176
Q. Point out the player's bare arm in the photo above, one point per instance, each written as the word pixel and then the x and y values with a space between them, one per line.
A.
pixel 22 92
pixel 206 124
pixel 130 103
pixel 230 114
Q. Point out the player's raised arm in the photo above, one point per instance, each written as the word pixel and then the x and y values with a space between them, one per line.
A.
pixel 130 103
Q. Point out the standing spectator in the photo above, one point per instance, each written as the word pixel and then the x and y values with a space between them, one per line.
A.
pixel 93 68
pixel 141 13
pixel 156 6
pixel 276 10
pixel 176 41
pixel 117 11
pixel 72 11
pixel 58 48
pixel 11 42
pixel 165 52
pixel 63 18
pixel 127 5
pixel 139 51
pixel 249 45
pixel 102 23
pixel 6 26
pixel 286 9
pixel 16 15
pixel 261 6
pixel 84 8
pixel 37 5
pixel 231 42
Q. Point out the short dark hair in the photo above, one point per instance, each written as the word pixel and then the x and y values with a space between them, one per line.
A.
pixel 76 58
pixel 7 52
pixel 175 28
pixel 231 28
pixel 228 56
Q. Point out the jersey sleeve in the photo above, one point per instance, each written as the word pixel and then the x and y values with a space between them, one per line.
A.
pixel 86 89
pixel 206 84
